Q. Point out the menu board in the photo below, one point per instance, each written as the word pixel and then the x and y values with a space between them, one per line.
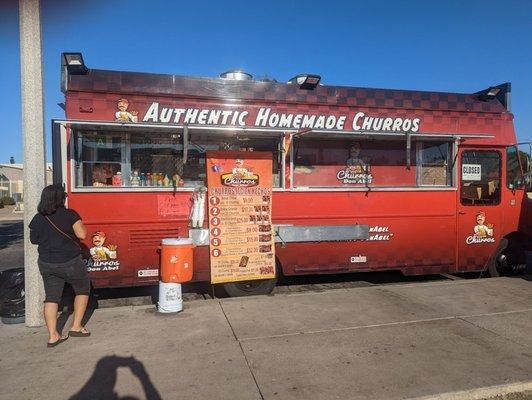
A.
pixel 241 232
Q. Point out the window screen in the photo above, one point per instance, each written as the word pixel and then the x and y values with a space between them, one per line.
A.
pixel 100 157
pixel 435 163
pixel 352 163
pixel 154 159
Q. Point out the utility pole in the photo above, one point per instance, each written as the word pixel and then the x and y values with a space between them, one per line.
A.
pixel 33 144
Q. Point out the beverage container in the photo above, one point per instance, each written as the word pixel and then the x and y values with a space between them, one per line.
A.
pixel 117 179
pixel 135 180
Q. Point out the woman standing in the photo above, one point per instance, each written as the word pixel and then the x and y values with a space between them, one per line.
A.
pixel 57 230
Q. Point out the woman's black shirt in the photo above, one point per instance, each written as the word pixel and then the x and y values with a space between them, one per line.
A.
pixel 54 247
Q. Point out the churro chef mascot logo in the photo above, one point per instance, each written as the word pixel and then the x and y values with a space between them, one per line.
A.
pixel 356 170
pixel 102 257
pixel 123 114
pixel 483 233
pixel 240 176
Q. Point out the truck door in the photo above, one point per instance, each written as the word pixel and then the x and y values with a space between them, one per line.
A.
pixel 479 207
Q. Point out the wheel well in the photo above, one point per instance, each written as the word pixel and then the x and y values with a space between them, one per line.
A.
pixel 278 268
pixel 518 238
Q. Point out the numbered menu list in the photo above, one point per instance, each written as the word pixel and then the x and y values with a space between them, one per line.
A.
pixel 241 232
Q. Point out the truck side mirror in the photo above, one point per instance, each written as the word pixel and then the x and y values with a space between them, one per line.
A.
pixel 528 174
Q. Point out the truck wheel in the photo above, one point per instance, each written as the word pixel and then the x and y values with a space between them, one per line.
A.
pixel 510 260
pixel 252 288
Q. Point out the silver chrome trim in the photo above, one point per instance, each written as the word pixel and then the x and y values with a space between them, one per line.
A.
pixel 140 125
pixel 125 189
pixel 286 233
pixel 266 129
pixel 320 233
pixel 375 189
pixel 63 151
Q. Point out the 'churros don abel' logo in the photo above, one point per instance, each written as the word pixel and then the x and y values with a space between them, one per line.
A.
pixel 240 176
pixel 103 257
pixel 483 233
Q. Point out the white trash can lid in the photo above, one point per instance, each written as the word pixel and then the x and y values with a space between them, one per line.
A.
pixel 177 242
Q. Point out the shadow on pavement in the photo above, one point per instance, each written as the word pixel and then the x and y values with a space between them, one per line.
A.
pixel 103 380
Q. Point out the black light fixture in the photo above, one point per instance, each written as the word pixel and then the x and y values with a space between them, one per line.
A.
pixel 492 93
pixel 306 81
pixel 502 93
pixel 74 63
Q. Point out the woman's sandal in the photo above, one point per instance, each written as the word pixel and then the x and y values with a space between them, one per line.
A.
pixel 82 333
pixel 58 341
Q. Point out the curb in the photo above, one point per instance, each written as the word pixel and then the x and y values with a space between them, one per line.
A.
pixel 482 393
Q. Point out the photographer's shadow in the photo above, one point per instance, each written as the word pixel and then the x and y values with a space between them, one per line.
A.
pixel 102 382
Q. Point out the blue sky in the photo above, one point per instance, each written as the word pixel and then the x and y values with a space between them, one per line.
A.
pixel 453 46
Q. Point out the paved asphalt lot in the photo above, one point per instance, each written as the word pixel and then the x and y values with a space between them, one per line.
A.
pixel 376 336
pixel 465 339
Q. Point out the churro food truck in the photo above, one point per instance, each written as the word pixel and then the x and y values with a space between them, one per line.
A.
pixel 267 178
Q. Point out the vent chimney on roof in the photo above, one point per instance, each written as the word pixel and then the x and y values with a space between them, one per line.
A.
pixel 236 75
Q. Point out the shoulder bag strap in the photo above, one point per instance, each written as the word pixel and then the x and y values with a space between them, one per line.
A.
pixel 61 232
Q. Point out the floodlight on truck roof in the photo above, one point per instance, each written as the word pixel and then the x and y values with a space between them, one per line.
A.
pixel 74 63
pixel 306 81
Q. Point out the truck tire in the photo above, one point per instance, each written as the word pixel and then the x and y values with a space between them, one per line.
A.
pixel 510 259
pixel 252 288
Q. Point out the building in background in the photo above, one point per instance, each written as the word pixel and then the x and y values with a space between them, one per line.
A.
pixel 11 180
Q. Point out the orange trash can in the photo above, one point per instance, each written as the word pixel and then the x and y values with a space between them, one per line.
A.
pixel 176 260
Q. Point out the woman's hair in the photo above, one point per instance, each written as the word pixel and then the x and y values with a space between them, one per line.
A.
pixel 52 198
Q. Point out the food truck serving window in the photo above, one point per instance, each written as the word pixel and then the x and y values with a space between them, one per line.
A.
pixel 434 163
pixel 157 159
pixel 344 163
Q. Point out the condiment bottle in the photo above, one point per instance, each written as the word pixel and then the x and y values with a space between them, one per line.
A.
pixel 135 181
pixel 117 179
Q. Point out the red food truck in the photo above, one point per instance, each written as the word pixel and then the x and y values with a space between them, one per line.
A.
pixel 361 179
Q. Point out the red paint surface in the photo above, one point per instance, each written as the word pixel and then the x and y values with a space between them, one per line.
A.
pixel 426 229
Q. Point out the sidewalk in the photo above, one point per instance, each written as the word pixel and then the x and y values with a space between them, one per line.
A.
pixel 8 214
pixel 447 338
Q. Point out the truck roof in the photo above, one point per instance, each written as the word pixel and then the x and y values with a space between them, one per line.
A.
pixel 148 84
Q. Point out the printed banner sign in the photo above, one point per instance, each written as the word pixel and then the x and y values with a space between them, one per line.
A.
pixel 471 172
pixel 241 232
